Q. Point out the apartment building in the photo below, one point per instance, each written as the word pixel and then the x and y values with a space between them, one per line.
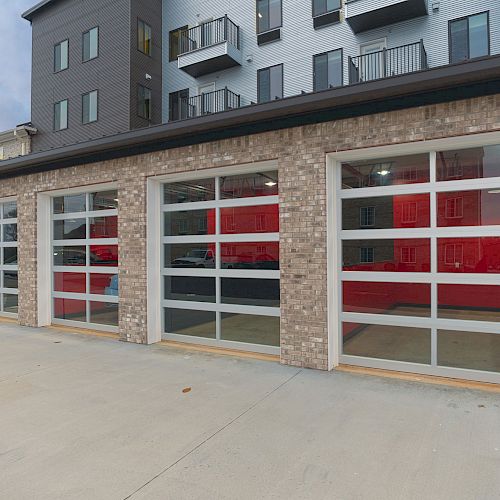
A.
pixel 324 188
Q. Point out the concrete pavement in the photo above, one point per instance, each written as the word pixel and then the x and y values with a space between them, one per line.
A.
pixel 92 418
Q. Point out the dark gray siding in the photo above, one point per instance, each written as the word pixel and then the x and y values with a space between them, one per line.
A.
pixel 109 73
pixel 149 11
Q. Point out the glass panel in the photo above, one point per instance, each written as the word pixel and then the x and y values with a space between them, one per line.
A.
pixel 70 229
pixel 321 72
pixel 469 208
pixel 74 310
pixel 402 255
pixel 191 323
pixel 189 222
pixel 200 255
pixel 9 232
pixel 469 255
pixel 10 279
pixel 469 302
pixel 274 13
pixel 276 76
pixel 399 299
pixel 191 288
pixel 250 329
pixel 478 35
pixel 10 210
pixel 397 343
pixel 250 292
pixel 10 303
pixel 104 200
pixel 335 67
pixel 386 172
pixel 476 163
pixel 104 255
pixel 189 191
pixel 69 204
pixel 473 351
pixel 70 256
pixel 70 282
pixel 10 256
pixel 104 227
pixel 249 185
pixel 264 85
pixel 250 255
pixel 458 41
pixel 104 313
pixel 258 219
pixel 386 212
pixel 104 284
pixel 262 15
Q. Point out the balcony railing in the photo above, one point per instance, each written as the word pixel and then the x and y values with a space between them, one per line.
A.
pixel 209 103
pixel 388 62
pixel 209 34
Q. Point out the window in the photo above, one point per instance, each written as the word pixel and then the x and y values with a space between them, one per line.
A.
pixel 367 216
pixel 144 103
pixel 409 255
pixel 178 105
pixel 328 70
pixel 61 115
pixel 174 47
pixel 8 259
pixel 2 152
pixel 454 208
pixel 270 83
pixel 454 254
pixel 321 7
pixel 90 44
pixel 89 107
pixel 144 37
pixel 61 57
pixel 409 213
pixel 469 37
pixel 366 255
pixel 268 15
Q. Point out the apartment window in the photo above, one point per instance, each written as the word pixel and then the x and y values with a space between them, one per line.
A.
pixel 174 47
pixel 178 105
pixel 321 7
pixel 408 255
pixel 366 255
pixel 409 213
pixel 469 37
pixel 269 15
pixel 270 83
pixel 90 44
pixel 61 115
pixel 61 57
pixel 144 103
pixel 144 37
pixel 454 208
pixel 328 70
pixel 367 216
pixel 89 107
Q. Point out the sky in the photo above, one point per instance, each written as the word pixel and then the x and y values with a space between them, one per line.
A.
pixel 15 63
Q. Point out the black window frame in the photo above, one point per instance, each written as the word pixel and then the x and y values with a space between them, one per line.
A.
pixel 258 31
pixel 271 99
pixel 150 53
pixel 97 107
pixel 326 10
pixel 98 44
pixel 341 68
pixel 467 18
pixel 54 115
pixel 54 56
pixel 171 57
pixel 139 107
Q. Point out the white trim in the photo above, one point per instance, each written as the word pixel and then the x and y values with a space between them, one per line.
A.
pixel 222 307
pixel 44 259
pixel 222 238
pixel 85 325
pixel 227 203
pixel 87 188
pixel 223 273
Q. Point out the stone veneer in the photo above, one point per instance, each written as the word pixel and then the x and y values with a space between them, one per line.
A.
pixel 300 153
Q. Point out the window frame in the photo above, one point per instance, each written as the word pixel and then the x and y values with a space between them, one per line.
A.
pixel 54 115
pixel 8 267
pixel 171 58
pixel 326 11
pixel 97 107
pixel 139 107
pixel 467 18
pixel 259 72
pixel 98 44
pixel 150 53
pixel 54 56
pixel 341 67
pixel 257 30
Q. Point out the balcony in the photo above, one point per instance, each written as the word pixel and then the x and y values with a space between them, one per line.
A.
pixel 364 15
pixel 210 47
pixel 387 63
pixel 208 103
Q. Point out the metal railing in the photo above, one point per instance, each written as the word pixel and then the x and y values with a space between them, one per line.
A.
pixel 208 103
pixel 208 34
pixel 388 62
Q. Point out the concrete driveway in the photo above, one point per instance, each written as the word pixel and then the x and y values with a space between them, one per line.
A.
pixel 92 418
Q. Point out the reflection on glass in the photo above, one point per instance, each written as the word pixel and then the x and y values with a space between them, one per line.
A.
pixel 259 219
pixel 189 222
pixel 191 288
pixel 10 210
pixel 249 185
pixel 250 255
pixel 469 255
pixel 469 350
pixel 104 255
pixel 104 313
pixel 74 310
pixel 10 279
pixel 397 343
pixel 190 255
pixel 10 256
pixel 251 329
pixel 9 232
pixel 386 171
pixel 401 255
pixel 104 227
pixel 400 299
pixel 189 191
pixel 69 256
pixel 386 212
pixel 469 208
pixel 104 284
pixel 69 204
pixel 476 163
pixel 190 323
pixel 70 229
pixel 104 200
pixel 250 292
pixel 10 303
pixel 70 282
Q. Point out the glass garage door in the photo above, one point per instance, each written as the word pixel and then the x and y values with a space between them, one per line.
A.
pixel 8 259
pixel 419 247
pixel 220 269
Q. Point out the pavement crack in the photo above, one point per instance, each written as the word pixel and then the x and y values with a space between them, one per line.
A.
pixel 217 432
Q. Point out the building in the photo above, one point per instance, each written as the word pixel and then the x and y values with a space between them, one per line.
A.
pixel 356 223
pixel 16 142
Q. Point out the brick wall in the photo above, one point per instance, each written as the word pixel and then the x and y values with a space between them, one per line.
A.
pixel 301 158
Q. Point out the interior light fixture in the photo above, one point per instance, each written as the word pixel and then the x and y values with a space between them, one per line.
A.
pixel 271 184
pixel 383 172
pixel 494 191
pixel 260 15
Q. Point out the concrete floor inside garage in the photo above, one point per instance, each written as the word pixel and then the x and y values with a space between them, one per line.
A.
pixel 92 418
